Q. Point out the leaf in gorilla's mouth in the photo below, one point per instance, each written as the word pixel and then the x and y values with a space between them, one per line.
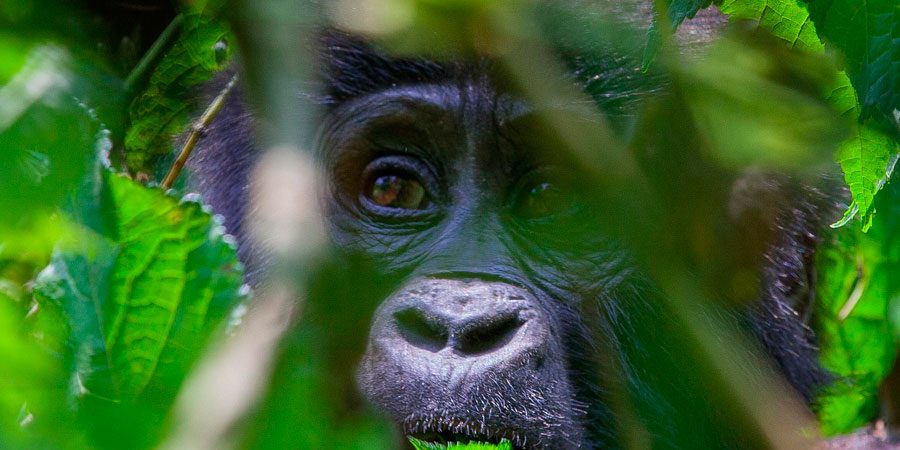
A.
pixel 439 433
pixel 427 445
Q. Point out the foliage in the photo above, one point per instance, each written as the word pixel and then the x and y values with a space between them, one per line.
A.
pixel 866 34
pixel 140 299
pixel 46 94
pixel 111 290
pixel 855 269
pixel 164 106
pixel 858 290
pixel 161 277
pixel 97 344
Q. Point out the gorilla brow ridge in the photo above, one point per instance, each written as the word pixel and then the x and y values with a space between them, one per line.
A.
pixel 353 68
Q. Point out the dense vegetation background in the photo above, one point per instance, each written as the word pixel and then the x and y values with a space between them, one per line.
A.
pixel 111 287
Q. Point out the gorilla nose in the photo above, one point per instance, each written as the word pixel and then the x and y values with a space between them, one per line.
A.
pixel 443 325
pixel 472 334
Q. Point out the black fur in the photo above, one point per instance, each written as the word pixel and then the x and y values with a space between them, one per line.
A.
pixel 602 311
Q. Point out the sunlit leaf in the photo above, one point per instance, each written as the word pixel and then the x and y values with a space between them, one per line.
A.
pixel 786 19
pixel 857 287
pixel 142 299
pixel 867 159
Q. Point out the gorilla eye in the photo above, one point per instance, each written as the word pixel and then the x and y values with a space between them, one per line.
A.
pixel 398 185
pixel 542 196
pixel 397 190
pixel 542 199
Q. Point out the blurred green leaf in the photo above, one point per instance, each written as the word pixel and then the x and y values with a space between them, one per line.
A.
pixel 49 138
pixel 28 375
pixel 13 53
pixel 857 286
pixel 317 363
pixel 757 102
pixel 163 108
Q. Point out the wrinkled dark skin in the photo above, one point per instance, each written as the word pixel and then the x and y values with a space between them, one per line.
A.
pixel 476 262
pixel 505 291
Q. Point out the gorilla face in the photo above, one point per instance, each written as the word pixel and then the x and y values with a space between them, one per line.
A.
pixel 445 183
pixel 512 316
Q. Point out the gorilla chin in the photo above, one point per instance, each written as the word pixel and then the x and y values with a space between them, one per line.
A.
pixel 459 360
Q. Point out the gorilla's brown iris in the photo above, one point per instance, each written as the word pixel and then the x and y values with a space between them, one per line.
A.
pixel 397 190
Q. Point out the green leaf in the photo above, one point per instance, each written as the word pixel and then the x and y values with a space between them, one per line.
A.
pixel 868 35
pixel 867 159
pixel 786 19
pixel 423 445
pixel 857 289
pixel 13 54
pixel 864 157
pixel 162 110
pixel 843 97
pixel 143 298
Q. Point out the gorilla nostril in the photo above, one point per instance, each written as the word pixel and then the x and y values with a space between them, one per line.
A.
pixel 421 331
pixel 486 337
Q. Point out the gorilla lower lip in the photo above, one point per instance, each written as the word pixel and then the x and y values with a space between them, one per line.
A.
pixel 460 430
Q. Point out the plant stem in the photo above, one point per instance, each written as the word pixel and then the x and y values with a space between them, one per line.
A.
pixel 162 42
pixel 197 130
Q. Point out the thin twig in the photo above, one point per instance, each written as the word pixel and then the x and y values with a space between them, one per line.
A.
pixel 197 131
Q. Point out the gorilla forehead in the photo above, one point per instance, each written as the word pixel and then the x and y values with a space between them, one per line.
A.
pixel 457 127
pixel 352 67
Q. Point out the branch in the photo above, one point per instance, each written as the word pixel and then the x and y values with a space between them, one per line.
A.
pixel 197 131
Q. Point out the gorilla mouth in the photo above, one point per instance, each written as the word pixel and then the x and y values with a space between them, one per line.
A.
pixel 443 430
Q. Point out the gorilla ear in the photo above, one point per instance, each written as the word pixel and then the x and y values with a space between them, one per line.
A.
pixel 779 223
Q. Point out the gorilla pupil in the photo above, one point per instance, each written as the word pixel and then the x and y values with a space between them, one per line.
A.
pixel 398 191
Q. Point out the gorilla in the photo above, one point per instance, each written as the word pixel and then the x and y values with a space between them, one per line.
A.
pixel 510 316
